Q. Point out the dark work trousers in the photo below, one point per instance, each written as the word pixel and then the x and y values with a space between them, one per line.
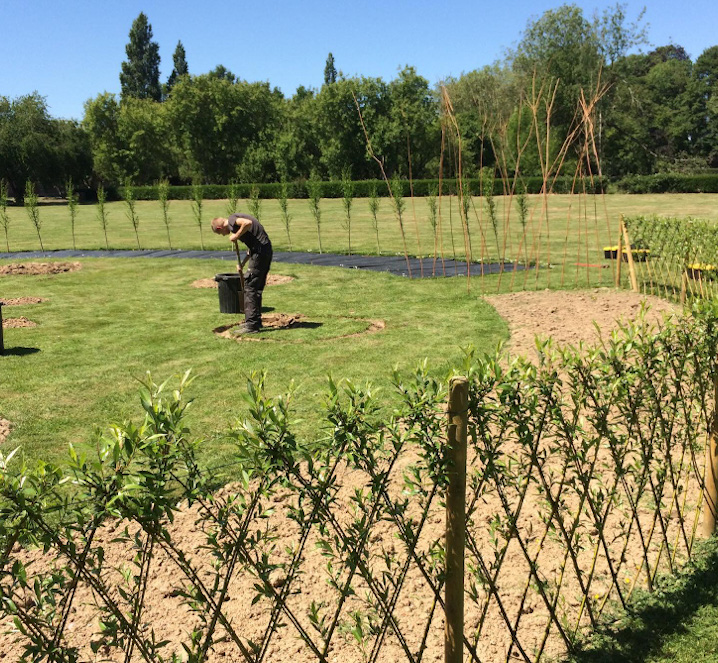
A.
pixel 254 281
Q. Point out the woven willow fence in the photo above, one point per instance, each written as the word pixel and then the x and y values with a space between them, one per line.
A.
pixel 675 258
pixel 584 481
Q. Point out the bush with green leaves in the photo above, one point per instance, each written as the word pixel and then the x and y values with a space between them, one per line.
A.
pixel 374 211
pixel 255 203
pixel 584 481
pixel 347 200
pixel 315 198
pixel 284 207
pixel 128 195
pixel 72 201
pixel 197 204
pixel 102 213
pixel 4 216
pixel 33 210
pixel 232 197
pixel 163 191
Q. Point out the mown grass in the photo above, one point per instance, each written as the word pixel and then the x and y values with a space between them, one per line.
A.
pixel 561 229
pixel 102 327
pixel 678 623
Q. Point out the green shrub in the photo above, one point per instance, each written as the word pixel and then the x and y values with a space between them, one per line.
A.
pixel 363 188
pixel 669 183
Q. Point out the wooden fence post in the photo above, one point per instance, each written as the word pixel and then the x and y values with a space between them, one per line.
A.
pixel 629 256
pixel 710 496
pixel 456 520
pixel 619 252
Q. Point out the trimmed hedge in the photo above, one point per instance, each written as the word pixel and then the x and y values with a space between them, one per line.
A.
pixel 362 188
pixel 669 183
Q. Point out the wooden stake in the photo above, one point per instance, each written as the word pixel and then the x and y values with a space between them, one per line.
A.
pixel 456 520
pixel 619 254
pixel 710 481
pixel 629 255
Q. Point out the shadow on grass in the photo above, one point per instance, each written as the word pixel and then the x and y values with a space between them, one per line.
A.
pixel 652 619
pixel 19 352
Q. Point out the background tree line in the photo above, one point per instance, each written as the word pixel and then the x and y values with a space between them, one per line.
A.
pixel 653 111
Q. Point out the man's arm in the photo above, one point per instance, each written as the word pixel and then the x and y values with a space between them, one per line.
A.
pixel 242 226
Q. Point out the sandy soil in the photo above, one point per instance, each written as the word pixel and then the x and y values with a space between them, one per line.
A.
pixel 13 323
pixel 5 427
pixel 568 316
pixel 20 301
pixel 272 279
pixel 38 268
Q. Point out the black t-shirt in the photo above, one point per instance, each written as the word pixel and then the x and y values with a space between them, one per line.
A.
pixel 255 237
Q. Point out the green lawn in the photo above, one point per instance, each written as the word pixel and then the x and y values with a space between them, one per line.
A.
pixel 676 624
pixel 105 325
pixel 561 229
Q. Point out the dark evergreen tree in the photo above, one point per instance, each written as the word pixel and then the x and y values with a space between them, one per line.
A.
pixel 140 75
pixel 180 67
pixel 330 71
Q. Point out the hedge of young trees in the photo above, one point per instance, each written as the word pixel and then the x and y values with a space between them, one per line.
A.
pixel 652 112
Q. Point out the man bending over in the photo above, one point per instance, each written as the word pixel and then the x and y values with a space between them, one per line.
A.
pixel 246 228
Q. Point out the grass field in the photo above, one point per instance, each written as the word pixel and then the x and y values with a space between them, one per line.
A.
pixel 561 229
pixel 105 325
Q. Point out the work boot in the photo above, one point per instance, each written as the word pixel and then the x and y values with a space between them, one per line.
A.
pixel 243 329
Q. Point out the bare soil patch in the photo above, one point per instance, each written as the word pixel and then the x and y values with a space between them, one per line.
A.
pixel 19 301
pixel 13 323
pixel 38 268
pixel 272 279
pixel 289 321
pixel 569 317
pixel 5 428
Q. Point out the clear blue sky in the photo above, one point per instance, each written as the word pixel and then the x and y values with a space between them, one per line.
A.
pixel 71 51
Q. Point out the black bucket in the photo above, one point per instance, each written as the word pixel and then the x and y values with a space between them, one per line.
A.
pixel 231 295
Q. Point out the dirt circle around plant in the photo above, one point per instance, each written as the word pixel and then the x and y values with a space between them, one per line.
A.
pixel 272 279
pixel 5 428
pixel 38 268
pixel 15 323
pixel 21 301
pixel 277 321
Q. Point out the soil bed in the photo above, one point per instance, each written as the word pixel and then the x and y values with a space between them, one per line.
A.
pixel 568 317
pixel 272 279
pixel 38 268
pixel 5 427
pixel 14 323
pixel 20 301
pixel 289 321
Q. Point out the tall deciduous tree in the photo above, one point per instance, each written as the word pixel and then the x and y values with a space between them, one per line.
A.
pixel 179 59
pixel 330 71
pixel 704 106
pixel 221 73
pixel 140 75
pixel 28 139
pixel 129 139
